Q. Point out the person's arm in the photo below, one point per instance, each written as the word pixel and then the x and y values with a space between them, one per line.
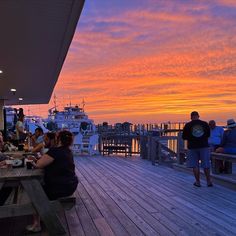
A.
pixel 224 139
pixel 44 161
pixel 33 140
pixel 208 131
pixel 221 133
pixel 38 148
pixel 185 132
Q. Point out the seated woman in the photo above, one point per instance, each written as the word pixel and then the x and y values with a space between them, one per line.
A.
pixel 59 178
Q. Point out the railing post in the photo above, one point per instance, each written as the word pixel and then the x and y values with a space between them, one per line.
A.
pixel 100 143
pixel 180 146
pixel 153 150
pixel 158 151
pixel 149 147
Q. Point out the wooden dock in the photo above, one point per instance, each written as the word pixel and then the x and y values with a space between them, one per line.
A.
pixel 129 196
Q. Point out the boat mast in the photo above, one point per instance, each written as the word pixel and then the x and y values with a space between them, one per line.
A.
pixel 83 104
pixel 55 101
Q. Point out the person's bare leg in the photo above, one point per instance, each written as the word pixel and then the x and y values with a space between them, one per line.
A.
pixel 196 173
pixel 36 220
pixel 35 227
pixel 208 176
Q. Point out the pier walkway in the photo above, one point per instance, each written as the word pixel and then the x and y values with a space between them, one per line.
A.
pixel 129 196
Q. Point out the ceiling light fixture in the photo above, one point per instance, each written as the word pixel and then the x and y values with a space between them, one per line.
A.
pixel 1 71
pixel 20 99
pixel 13 91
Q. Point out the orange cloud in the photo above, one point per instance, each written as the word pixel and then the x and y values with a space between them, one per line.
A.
pixel 153 65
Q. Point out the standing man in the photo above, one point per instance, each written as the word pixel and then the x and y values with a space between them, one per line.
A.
pixel 20 132
pixel 197 132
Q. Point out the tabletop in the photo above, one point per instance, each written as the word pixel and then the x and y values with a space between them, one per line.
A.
pixel 19 173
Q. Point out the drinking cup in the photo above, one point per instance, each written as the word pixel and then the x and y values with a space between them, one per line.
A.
pixel 29 164
pixel 20 147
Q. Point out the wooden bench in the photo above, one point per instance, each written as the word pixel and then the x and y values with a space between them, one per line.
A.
pixel 24 206
pixel 110 149
pixel 217 159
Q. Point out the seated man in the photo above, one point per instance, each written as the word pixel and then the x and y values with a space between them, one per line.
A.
pixel 49 141
pixel 216 135
pixel 37 140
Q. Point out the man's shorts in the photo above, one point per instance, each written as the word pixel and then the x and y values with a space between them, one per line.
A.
pixel 194 156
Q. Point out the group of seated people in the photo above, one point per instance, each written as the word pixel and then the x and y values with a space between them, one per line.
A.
pixel 56 158
pixel 223 141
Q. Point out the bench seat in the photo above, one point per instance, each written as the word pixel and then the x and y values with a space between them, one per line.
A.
pixel 23 206
pixel 217 159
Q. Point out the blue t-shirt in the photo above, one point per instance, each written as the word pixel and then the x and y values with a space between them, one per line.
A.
pixel 216 136
pixel 40 139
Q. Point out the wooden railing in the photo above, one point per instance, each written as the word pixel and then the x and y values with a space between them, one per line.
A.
pixel 152 148
pixel 222 163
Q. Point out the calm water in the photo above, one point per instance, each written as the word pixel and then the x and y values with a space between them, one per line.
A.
pixel 172 144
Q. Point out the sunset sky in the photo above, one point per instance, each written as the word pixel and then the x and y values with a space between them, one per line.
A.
pixel 147 61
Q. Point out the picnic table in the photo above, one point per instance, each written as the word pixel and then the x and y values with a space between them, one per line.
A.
pixel 30 182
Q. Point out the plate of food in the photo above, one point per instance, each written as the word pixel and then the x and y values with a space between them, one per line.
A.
pixel 18 163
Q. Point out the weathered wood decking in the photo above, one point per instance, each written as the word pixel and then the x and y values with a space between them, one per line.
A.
pixel 124 196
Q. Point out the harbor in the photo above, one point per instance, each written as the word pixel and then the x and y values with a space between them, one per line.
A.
pixel 117 118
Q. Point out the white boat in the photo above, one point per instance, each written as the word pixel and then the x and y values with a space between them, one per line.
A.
pixel 33 122
pixel 74 119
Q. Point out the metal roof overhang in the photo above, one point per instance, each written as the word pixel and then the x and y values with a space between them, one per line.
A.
pixel 35 36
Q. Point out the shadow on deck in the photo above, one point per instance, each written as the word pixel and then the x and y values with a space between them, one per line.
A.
pixel 129 196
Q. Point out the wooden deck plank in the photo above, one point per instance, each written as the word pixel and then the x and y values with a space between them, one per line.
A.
pixel 100 222
pixel 103 227
pixel 225 219
pixel 93 170
pixel 126 209
pixel 138 164
pixel 126 177
pixel 171 208
pixel 85 219
pixel 139 208
pixel 178 228
pixel 74 225
pixel 181 184
pixel 210 199
pixel 109 208
pixel 129 196
pixel 93 210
